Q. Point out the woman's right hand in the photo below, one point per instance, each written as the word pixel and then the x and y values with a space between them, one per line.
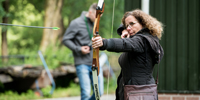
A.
pixel 125 34
pixel 97 42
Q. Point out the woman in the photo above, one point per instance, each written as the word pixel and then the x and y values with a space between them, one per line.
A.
pixel 140 34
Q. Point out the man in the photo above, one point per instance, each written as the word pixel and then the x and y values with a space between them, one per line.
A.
pixel 78 38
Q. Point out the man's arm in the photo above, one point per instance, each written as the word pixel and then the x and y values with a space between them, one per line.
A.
pixel 69 36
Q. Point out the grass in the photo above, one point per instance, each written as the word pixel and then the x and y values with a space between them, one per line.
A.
pixel 72 90
pixel 10 95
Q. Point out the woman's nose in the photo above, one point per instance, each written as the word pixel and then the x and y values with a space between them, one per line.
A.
pixel 129 27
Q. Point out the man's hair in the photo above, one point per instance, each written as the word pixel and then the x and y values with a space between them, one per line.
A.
pixel 93 6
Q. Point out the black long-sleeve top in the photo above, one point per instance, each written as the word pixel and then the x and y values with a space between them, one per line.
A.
pixel 140 54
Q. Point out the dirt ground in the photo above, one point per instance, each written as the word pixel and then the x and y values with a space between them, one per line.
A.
pixel 104 97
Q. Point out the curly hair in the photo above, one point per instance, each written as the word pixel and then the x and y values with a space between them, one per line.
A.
pixel 146 20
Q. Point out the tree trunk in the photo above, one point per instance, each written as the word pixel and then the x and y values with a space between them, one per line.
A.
pixel 53 18
pixel 4 46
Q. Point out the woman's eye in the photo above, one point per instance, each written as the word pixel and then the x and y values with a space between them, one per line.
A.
pixel 132 23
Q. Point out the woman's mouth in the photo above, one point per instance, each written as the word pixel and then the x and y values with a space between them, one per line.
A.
pixel 133 33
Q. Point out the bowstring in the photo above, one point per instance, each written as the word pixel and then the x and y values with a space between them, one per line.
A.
pixel 113 18
pixel 111 37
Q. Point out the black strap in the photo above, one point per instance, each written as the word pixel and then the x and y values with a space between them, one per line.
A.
pixel 158 67
pixel 88 29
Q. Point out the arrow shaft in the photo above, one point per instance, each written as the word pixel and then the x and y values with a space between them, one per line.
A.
pixel 25 26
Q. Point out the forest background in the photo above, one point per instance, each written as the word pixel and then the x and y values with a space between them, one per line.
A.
pixel 23 41
pixel 21 44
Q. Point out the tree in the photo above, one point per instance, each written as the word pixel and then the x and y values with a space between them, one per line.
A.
pixel 4 31
pixel 53 18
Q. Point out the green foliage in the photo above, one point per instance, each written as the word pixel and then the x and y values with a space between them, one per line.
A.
pixel 111 86
pixel 55 55
pixel 39 5
pixel 2 12
pixel 72 10
pixel 105 27
pixel 10 95
pixel 20 38
pixel 46 91
pixel 26 41
pixel 1 87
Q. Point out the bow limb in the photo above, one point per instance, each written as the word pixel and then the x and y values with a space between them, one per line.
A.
pixel 99 11
pixel 95 62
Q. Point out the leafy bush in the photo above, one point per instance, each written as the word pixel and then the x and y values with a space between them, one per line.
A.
pixel 53 57
pixel 46 91
pixel 10 95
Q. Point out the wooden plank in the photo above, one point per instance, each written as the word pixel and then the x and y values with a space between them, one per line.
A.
pixel 182 44
pixel 193 75
pixel 152 7
pixel 157 11
pixel 198 31
pixel 161 17
pixel 179 69
pixel 132 4
pixel 170 51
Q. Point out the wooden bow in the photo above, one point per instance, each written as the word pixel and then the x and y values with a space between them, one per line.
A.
pixel 99 11
pixel 95 62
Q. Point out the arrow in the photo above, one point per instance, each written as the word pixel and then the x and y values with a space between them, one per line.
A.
pixel 54 28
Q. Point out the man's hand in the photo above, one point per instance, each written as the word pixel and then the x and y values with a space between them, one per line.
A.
pixel 125 34
pixel 85 49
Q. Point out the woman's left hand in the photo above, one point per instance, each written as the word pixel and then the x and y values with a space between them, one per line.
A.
pixel 97 42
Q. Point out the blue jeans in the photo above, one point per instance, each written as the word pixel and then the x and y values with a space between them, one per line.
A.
pixel 84 73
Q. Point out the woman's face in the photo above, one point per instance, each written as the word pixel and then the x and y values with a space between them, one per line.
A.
pixel 132 25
